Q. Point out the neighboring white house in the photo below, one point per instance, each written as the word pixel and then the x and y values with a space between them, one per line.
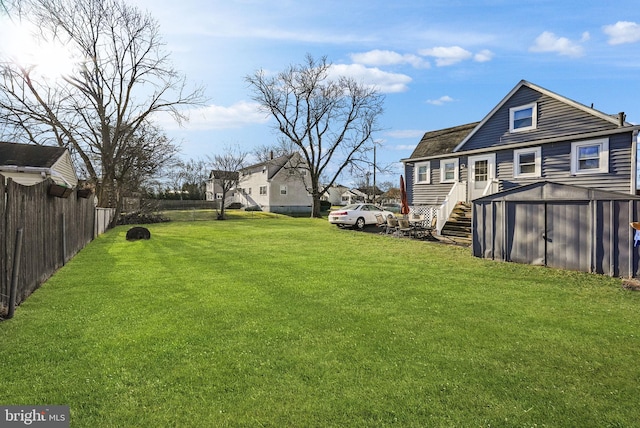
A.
pixel 215 183
pixel 277 185
pixel 334 194
pixel 352 196
pixel 28 164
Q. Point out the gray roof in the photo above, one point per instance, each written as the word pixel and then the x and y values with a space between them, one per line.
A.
pixel 29 155
pixel 442 141
pixel 273 165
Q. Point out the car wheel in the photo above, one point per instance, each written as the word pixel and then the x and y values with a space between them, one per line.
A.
pixel 360 223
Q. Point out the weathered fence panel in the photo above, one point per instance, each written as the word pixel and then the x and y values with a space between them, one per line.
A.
pixel 4 284
pixel 54 230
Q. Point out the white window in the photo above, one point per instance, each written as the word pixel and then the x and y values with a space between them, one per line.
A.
pixel 263 190
pixel 527 163
pixel 283 190
pixel 590 157
pixel 523 118
pixel 449 170
pixel 422 172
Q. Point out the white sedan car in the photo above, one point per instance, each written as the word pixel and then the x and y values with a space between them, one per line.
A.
pixel 357 215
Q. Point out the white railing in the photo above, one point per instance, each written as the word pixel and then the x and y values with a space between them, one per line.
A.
pixel 491 187
pixel 457 193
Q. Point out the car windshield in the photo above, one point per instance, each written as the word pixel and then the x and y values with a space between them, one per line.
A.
pixel 351 207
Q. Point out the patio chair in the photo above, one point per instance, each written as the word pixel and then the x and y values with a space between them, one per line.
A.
pixel 392 225
pixel 404 227
pixel 381 222
pixel 428 231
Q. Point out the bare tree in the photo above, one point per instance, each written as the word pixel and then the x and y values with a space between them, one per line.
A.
pixel 329 121
pixel 123 78
pixel 226 172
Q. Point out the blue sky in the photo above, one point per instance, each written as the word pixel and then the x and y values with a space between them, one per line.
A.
pixel 439 63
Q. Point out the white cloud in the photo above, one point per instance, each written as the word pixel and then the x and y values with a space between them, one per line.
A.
pixel 549 42
pixel 383 81
pixel 622 32
pixel 454 54
pixel 405 133
pixel 484 55
pixel 210 117
pixel 405 146
pixel 385 57
pixel 447 55
pixel 440 101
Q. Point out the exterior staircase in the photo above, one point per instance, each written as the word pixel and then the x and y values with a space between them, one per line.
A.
pixel 458 225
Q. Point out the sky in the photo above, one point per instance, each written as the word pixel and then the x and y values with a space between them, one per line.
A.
pixel 439 63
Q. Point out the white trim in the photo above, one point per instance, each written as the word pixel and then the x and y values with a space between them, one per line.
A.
pixel 603 157
pixel 534 117
pixel 456 170
pixel 491 174
pixel 417 170
pixel 537 153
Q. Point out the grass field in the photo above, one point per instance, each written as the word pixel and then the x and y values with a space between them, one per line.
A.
pixel 273 321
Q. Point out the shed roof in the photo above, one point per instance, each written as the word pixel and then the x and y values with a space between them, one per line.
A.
pixel 548 191
pixel 442 141
pixel 32 155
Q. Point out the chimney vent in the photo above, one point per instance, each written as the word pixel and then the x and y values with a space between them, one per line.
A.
pixel 621 118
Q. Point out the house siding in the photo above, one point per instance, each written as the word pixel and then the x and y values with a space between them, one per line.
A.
pixel 556 166
pixel 64 166
pixel 426 194
pixel 555 119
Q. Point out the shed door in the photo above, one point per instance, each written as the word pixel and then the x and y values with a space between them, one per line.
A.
pixel 567 236
pixel 525 230
pixel 550 234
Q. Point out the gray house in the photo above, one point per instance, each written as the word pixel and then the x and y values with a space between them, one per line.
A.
pixel 532 135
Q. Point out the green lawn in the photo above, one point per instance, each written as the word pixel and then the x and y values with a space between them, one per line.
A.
pixel 280 322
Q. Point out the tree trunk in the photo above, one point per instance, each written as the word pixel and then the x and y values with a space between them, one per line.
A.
pixel 315 207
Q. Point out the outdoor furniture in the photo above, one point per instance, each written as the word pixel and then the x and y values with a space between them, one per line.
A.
pixel 392 225
pixel 428 231
pixel 417 224
pixel 404 227
pixel 381 223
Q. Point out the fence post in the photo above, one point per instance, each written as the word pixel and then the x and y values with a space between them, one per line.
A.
pixel 14 273
pixel 64 239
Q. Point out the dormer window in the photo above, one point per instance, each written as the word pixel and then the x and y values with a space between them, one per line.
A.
pixel 523 118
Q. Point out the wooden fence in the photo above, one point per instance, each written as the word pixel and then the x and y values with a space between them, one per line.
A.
pixel 52 231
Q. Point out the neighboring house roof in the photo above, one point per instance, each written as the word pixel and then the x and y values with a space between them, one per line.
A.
pixel 29 155
pixel 273 166
pixel 442 141
pixel 354 192
pixel 29 164
pixel 217 174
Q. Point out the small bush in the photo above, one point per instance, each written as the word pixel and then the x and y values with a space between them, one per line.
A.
pixel 325 205
pixel 140 217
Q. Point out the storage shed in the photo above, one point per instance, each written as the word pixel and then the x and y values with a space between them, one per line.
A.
pixel 560 226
